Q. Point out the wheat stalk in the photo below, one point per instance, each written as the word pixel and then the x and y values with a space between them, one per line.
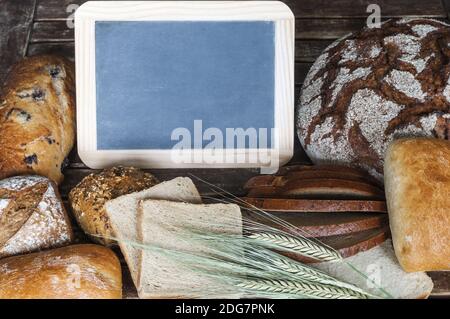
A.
pixel 299 245
pixel 313 275
pixel 298 288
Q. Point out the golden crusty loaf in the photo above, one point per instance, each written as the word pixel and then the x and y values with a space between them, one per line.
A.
pixel 79 271
pixel 88 198
pixel 37 117
pixel 32 216
pixel 417 181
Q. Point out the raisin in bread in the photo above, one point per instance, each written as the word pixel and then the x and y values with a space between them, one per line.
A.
pixel 374 86
pixel 37 117
pixel 88 198
pixel 32 216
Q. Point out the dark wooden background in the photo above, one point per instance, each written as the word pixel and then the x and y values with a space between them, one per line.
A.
pixel 29 27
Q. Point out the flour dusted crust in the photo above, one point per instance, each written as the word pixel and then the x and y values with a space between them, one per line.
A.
pixel 37 117
pixel 373 86
pixel 88 198
pixel 417 179
pixel 32 216
pixel 77 271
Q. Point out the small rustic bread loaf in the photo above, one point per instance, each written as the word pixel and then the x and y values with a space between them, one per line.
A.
pixel 79 271
pixel 417 178
pixel 32 216
pixel 37 117
pixel 373 86
pixel 88 198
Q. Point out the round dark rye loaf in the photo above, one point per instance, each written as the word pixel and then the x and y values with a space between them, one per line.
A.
pixel 373 86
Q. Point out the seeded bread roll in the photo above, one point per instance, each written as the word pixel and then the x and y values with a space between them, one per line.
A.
pixel 417 178
pixel 374 86
pixel 88 198
pixel 73 272
pixel 37 117
pixel 32 216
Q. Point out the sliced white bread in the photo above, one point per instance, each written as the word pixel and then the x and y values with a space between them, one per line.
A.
pixel 380 265
pixel 122 213
pixel 163 224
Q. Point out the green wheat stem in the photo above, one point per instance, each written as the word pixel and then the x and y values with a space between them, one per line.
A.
pixel 297 288
pixel 299 245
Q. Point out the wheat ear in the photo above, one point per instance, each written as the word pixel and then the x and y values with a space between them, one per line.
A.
pixel 298 288
pixel 299 245
pixel 313 275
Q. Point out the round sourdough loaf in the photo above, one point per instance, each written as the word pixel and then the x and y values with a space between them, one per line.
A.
pixel 37 117
pixel 373 86
pixel 88 198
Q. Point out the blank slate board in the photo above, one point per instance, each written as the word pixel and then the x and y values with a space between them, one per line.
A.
pixel 178 71
pixel 145 69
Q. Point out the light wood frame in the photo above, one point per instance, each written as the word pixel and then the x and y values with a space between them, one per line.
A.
pixel 90 12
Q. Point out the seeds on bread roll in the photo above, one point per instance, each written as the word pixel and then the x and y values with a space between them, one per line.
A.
pixel 417 181
pixel 88 198
pixel 32 216
pixel 79 271
pixel 37 117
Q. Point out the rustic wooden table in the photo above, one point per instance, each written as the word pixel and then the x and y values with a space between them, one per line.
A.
pixel 29 27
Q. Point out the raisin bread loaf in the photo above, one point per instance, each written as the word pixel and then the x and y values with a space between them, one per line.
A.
pixel 374 86
pixel 37 117
pixel 78 271
pixel 88 198
pixel 32 216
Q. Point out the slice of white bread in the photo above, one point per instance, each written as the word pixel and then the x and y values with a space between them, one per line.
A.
pixel 122 213
pixel 380 265
pixel 163 224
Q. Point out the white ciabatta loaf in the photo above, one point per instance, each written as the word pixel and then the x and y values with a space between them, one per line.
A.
pixel 32 216
pixel 122 213
pixel 72 272
pixel 37 117
pixel 417 179
pixel 373 86
pixel 382 270
pixel 166 225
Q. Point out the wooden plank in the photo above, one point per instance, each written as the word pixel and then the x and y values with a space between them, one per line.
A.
pixel 309 28
pixel 53 10
pixel 441 280
pixel 52 31
pixel 15 26
pixel 62 48
pixel 313 28
pixel 333 28
pixel 230 179
pixel 357 9
pixel 59 31
pixel 306 51
pixel 446 4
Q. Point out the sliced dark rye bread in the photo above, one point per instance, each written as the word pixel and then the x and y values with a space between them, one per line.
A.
pixel 325 224
pixel 279 181
pixel 315 205
pixel 320 188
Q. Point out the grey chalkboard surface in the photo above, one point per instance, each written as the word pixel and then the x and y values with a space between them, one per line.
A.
pixel 155 76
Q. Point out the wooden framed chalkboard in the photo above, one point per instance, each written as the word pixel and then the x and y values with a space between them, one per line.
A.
pixel 164 84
